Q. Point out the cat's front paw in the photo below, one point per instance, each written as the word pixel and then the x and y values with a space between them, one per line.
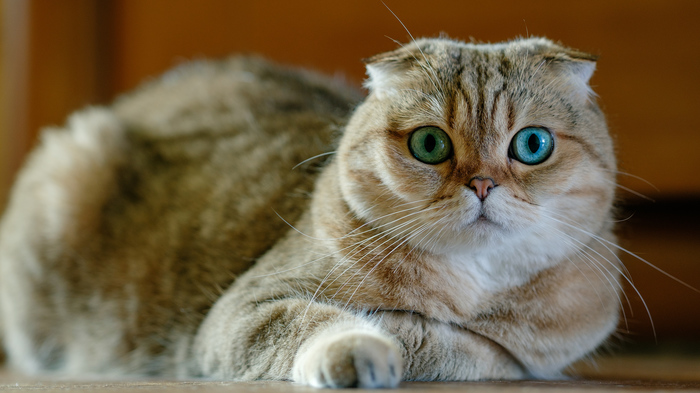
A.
pixel 355 358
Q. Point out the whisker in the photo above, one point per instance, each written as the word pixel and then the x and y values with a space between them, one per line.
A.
pixel 598 266
pixel 322 256
pixel 369 208
pixel 587 260
pixel 634 177
pixel 412 202
pixel 631 191
pixel 312 158
pixel 351 232
pixel 401 229
pixel 349 279
pixel 388 223
pixel 622 265
pixel 630 253
pixel 391 233
pixel 431 70
pixel 418 244
pixel 402 242
pixel 376 237
pixel 624 219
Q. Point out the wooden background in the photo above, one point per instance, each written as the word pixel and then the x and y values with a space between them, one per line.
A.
pixel 61 55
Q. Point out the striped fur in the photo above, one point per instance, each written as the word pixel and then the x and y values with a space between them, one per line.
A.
pixel 152 237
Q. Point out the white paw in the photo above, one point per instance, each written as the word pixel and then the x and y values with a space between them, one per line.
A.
pixel 355 358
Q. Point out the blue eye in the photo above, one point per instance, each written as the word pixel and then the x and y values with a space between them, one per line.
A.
pixel 532 145
pixel 430 145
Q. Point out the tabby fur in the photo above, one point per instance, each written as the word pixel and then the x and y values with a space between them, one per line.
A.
pixel 182 231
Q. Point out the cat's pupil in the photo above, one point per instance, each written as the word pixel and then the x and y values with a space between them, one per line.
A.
pixel 429 143
pixel 533 142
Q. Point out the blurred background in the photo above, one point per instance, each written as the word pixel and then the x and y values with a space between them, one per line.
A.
pixel 58 56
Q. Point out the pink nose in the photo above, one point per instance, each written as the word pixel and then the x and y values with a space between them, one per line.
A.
pixel 481 186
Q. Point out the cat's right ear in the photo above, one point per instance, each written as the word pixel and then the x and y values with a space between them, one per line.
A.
pixel 386 71
pixel 575 68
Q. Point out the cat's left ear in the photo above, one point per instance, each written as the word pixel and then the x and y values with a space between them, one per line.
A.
pixel 576 68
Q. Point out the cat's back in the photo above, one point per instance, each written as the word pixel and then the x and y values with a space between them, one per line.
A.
pixel 135 209
pixel 214 147
pixel 217 144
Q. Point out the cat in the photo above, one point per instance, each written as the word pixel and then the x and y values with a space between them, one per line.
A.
pixel 242 220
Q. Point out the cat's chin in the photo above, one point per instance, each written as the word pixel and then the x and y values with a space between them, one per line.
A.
pixel 484 219
pixel 484 231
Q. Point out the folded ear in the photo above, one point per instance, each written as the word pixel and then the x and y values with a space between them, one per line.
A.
pixel 575 68
pixel 386 71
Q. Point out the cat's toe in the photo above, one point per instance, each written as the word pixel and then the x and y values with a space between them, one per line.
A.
pixel 350 359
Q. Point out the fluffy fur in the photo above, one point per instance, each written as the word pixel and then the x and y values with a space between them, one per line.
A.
pixel 153 236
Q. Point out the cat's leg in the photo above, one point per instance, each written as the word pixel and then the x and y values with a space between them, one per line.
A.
pixel 437 351
pixel 295 339
pixel 561 315
pixel 327 346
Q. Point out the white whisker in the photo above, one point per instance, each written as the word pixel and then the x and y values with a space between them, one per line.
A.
pixel 603 240
pixel 402 228
pixel 395 247
pixel 340 250
pixel 430 70
pixel 312 158
pixel 418 244
pixel 634 177
pixel 587 257
pixel 351 233
pixel 631 191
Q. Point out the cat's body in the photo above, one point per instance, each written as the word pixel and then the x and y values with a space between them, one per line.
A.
pixel 152 236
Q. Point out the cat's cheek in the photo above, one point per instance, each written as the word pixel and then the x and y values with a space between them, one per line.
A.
pixel 406 177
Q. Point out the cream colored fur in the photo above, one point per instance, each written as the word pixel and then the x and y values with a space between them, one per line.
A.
pixel 173 233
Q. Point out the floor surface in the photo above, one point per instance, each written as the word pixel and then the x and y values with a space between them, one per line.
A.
pixel 655 371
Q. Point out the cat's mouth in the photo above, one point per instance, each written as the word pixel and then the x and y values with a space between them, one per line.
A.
pixel 483 219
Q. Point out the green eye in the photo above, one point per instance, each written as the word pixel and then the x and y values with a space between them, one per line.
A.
pixel 532 145
pixel 430 145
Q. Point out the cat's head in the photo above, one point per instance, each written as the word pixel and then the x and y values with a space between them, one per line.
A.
pixel 465 146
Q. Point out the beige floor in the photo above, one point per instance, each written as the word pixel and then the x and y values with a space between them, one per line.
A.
pixel 655 372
